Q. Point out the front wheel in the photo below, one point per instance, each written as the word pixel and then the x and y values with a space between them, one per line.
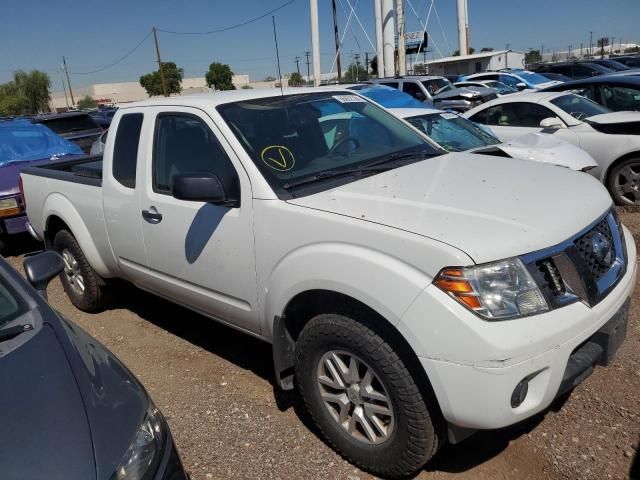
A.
pixel 78 278
pixel 363 397
pixel 624 182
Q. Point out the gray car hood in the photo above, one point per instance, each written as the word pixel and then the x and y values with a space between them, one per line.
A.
pixel 489 207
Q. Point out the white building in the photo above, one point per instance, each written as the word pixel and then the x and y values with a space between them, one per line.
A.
pixel 123 92
pixel 580 53
pixel 476 62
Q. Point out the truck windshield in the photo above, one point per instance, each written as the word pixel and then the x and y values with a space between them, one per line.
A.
pixel 454 133
pixel 294 137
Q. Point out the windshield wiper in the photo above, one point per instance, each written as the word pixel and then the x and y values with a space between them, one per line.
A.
pixel 12 332
pixel 373 167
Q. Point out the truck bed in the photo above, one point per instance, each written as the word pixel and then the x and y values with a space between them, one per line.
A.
pixel 86 170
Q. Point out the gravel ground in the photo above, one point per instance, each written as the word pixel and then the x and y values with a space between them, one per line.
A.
pixel 215 386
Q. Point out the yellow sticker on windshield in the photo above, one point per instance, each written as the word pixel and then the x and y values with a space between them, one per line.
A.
pixel 278 157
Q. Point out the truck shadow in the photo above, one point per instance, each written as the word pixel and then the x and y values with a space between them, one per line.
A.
pixel 20 244
pixel 255 355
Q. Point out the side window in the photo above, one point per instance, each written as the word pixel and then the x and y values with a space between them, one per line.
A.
pixel 125 149
pixel 519 115
pixel 183 144
pixel 413 89
pixel 390 84
pixel 586 92
pixel 491 76
pixel 481 116
pixel 562 69
pixel 621 98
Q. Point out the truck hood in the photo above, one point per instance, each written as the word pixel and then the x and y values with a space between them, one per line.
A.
pixel 545 148
pixel 489 207
pixel 466 92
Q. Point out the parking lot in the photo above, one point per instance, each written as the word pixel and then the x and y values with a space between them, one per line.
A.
pixel 216 387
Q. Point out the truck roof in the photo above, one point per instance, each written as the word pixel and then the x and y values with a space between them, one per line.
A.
pixel 228 96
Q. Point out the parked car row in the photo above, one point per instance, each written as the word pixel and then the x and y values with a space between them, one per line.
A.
pixel 395 280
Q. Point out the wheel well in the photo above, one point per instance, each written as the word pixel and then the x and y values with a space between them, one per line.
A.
pixel 54 225
pixel 627 156
pixel 306 305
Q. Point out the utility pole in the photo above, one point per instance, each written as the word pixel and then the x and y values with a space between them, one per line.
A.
pixel 66 72
pixel 306 54
pixel 366 62
pixel 613 44
pixel 337 41
pixel 164 84
pixel 298 64
pixel 357 59
pixel 463 28
pixel 590 44
pixel 379 39
pixel 402 61
pixel 66 101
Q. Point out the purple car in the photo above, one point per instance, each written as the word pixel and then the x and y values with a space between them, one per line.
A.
pixel 22 143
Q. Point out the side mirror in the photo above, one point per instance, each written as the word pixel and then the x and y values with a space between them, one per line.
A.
pixel 42 268
pixel 551 123
pixel 201 187
pixel 521 86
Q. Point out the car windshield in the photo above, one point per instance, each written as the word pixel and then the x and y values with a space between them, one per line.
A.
pixel 579 107
pixel 11 305
pixel 437 85
pixel 70 124
pixel 532 77
pixel 500 87
pixel 454 133
pixel 295 138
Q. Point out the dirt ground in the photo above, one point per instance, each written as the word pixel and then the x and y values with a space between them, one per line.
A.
pixel 215 386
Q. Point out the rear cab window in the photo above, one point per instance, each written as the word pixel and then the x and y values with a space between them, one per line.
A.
pixel 125 149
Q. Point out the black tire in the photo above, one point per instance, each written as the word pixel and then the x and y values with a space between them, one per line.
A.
pixel 632 164
pixel 413 439
pixel 91 299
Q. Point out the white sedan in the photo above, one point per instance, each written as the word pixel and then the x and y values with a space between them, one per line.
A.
pixel 612 138
pixel 455 133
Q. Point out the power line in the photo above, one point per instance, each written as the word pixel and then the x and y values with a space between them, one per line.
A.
pixel 247 22
pixel 101 69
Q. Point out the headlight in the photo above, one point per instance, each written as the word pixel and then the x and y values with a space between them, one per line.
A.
pixel 141 460
pixel 9 207
pixel 495 291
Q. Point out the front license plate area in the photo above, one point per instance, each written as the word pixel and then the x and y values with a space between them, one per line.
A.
pixel 612 334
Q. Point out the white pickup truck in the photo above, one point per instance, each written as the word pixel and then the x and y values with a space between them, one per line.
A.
pixel 411 295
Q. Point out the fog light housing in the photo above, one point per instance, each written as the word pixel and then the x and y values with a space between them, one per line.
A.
pixel 520 393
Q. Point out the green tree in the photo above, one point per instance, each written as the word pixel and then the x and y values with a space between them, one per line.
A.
pixel 356 73
pixel 373 65
pixel 456 53
pixel 532 56
pixel 87 102
pixel 14 105
pixel 172 75
pixel 486 49
pixel 32 86
pixel 295 80
pixel 220 76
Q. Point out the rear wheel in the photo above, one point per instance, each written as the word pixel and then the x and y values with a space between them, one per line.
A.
pixel 78 278
pixel 624 182
pixel 363 397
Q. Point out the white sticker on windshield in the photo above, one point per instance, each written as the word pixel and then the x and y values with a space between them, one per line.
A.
pixel 348 98
pixel 448 116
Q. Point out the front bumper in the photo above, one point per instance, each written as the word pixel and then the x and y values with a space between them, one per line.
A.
pixel 171 466
pixel 474 366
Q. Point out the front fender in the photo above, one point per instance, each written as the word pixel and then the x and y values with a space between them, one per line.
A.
pixel 386 284
pixel 59 206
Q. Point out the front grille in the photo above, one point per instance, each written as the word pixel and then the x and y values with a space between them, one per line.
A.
pixel 583 268
pixel 593 261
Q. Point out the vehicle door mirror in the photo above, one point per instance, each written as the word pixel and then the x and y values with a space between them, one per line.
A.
pixel 40 269
pixel 551 123
pixel 201 187
pixel 521 86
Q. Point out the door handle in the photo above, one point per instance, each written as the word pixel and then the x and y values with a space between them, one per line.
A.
pixel 152 215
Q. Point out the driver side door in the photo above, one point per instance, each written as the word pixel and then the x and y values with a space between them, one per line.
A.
pixel 199 254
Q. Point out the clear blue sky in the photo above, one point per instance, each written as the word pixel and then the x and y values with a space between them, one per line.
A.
pixel 91 34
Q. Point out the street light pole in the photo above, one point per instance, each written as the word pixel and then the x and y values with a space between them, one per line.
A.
pixel 164 84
